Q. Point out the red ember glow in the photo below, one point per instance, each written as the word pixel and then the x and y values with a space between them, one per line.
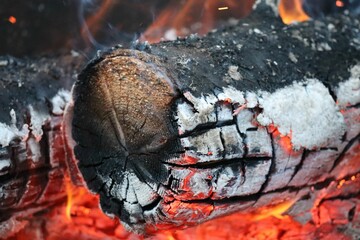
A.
pixel 339 3
pixel 346 181
pixel 12 19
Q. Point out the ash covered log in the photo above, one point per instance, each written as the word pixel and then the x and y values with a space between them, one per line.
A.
pixel 33 94
pixel 258 113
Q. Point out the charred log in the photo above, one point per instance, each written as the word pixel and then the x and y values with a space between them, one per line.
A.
pixel 336 215
pixel 33 94
pixel 258 113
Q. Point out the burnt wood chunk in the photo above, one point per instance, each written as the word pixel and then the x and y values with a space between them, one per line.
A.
pixel 33 95
pixel 176 133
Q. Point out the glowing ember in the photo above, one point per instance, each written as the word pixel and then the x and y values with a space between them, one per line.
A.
pixel 12 19
pixel 291 11
pixel 223 8
pixel 341 183
pixel 346 181
pixel 88 222
pixel 284 141
pixel 339 3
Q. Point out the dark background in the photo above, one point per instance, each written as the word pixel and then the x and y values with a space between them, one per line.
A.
pixel 44 26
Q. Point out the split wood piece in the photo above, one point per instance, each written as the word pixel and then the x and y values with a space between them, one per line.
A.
pixel 177 133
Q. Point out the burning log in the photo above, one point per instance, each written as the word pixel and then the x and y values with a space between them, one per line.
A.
pixel 258 117
pixel 254 115
pixel 32 155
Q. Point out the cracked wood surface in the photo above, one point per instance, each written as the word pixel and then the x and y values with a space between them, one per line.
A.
pixel 177 133
pixel 33 94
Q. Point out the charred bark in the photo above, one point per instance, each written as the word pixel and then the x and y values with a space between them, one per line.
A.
pixel 33 94
pixel 255 114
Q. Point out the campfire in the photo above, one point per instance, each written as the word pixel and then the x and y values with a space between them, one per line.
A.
pixel 194 120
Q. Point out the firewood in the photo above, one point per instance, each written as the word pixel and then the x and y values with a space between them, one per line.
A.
pixel 258 113
pixel 33 94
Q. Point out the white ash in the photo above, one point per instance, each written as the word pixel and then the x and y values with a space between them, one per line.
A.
pixel 130 193
pixel 191 180
pixel 188 119
pixel 38 119
pixel 234 73
pixel 355 42
pixel 228 181
pixel 233 21
pixel 296 34
pixel 170 34
pixel 258 143
pixel 224 112
pixel 331 27
pixel 143 192
pixel 348 92
pixel 74 53
pixel 207 146
pixel 4 63
pixel 233 94
pixel 203 112
pixel 256 4
pixel 203 109
pixel 304 111
pixel 59 101
pixel 273 4
pixel 321 47
pixel 203 104
pixel 119 189
pixel 34 147
pixel 243 120
pixel 251 100
pixel 292 57
pixel 9 133
pixel 232 141
pixel 255 177
pixel 13 117
pixel 257 31
pixel 4 164
pixel 134 210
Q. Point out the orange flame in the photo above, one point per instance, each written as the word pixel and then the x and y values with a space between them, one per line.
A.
pixel 181 18
pixel 291 11
pixel 12 19
pixel 273 211
pixel 69 203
